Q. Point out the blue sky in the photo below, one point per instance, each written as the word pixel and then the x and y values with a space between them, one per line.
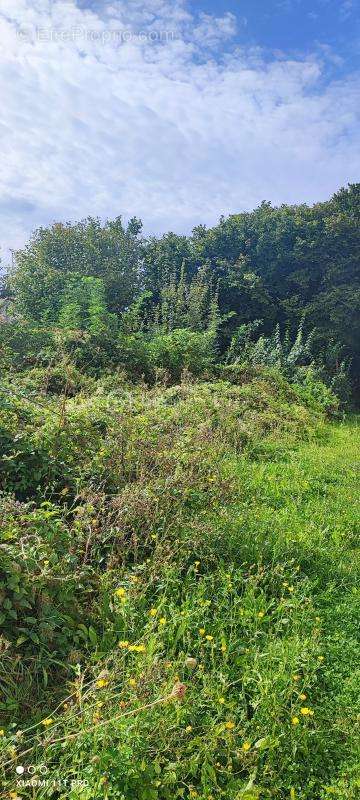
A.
pixel 172 111
pixel 295 25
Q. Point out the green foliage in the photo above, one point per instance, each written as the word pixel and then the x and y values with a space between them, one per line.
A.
pixel 202 533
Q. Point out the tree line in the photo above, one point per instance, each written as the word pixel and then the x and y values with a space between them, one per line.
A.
pixel 275 286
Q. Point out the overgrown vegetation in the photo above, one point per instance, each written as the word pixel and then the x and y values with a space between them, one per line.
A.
pixel 179 571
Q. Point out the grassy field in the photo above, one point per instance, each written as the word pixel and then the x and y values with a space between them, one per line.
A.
pixel 218 655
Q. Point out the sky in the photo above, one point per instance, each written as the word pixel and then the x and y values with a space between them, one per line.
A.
pixel 172 111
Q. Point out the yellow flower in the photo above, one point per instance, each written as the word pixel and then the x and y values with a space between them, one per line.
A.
pixel 120 592
pixel 188 728
pixel 162 621
pixel 296 677
pixel 246 746
pixel 153 612
pixel 137 648
pixel 295 720
pixel 317 619
pixel 101 683
pixel 153 536
pixel 123 644
pixel 197 563
pixel 321 658
pixel 192 793
pixel 221 700
pixel 306 712
pixel 302 696
pixel 209 638
pixel 132 682
pixel 261 614
pixel 47 721
pixel 2 732
pixel 229 725
pixel 202 631
pixel 285 584
pixel 290 588
pixel 223 648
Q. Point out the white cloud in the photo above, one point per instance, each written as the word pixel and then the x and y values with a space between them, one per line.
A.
pixel 135 108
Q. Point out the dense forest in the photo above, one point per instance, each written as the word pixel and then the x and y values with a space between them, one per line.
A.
pixel 179 520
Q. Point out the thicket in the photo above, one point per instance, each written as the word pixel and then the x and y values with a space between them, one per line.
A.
pixel 277 286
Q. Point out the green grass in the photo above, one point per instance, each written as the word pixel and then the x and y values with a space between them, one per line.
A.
pixel 239 553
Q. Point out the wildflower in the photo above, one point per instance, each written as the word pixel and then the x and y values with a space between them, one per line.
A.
pixel 317 619
pixel 223 648
pixel 137 648
pixel 132 682
pixel 120 592
pixel 48 721
pixel 229 725
pixel 193 793
pixel 101 683
pixel 290 588
pixel 153 536
pixel 123 644
pixel 209 638
pixel 306 712
pixel 153 612
pixel 296 677
pixel 285 584
pixel 168 664
pixel 2 732
pixel 196 563
pixel 321 658
pixel 261 614
pixel 178 691
pixel 162 621
pixel 246 747
pixel 302 696
pixel 221 700
pixel 202 631
pixel 295 720
pixel 188 728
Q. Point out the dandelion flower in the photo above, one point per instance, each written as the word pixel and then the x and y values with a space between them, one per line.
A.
pixel 162 621
pixel 120 592
pixel 101 683
pixel 153 612
pixel 295 720
pixel 48 721
pixel 306 712
pixel 321 658
pixel 246 747
pixel 296 677
pixel 132 682
pixel 209 638
pixel 137 648
pixel 261 614
pixel 2 732
pixel 188 728
pixel 202 631
pixel 123 644
pixel 223 648
pixel 302 696
pixel 229 725
pixel 221 700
